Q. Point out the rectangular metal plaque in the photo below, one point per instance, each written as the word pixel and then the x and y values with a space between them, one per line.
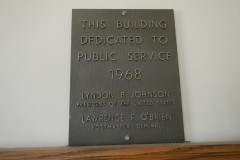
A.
pixel 124 78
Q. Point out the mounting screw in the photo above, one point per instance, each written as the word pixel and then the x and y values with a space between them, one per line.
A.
pixel 127 138
pixel 124 13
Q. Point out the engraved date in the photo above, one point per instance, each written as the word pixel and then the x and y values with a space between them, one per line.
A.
pixel 127 74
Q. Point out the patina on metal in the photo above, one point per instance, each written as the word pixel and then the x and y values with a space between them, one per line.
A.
pixel 124 78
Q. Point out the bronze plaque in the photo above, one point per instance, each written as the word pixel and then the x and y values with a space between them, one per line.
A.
pixel 124 78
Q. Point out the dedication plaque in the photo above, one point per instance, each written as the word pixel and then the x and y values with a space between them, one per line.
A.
pixel 124 78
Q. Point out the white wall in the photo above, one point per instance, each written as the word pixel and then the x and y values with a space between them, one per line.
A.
pixel 35 39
